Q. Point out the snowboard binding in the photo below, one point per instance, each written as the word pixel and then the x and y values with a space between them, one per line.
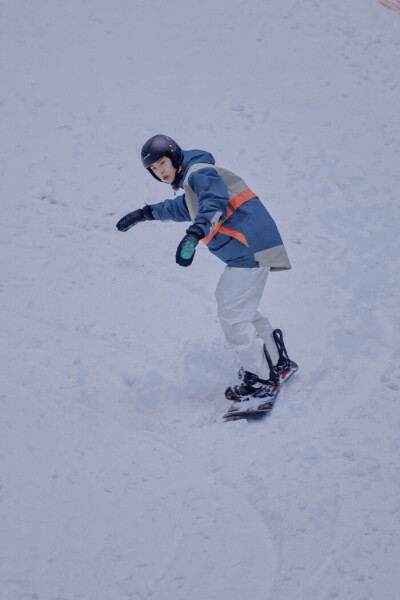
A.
pixel 285 367
pixel 252 386
pixel 255 397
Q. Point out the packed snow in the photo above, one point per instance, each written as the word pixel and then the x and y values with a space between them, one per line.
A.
pixel 119 479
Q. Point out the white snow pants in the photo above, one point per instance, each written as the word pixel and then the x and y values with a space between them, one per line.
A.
pixel 238 295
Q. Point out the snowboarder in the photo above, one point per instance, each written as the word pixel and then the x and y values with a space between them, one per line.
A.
pixel 230 219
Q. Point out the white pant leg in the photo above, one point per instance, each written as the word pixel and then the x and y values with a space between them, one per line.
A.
pixel 238 295
pixel 265 331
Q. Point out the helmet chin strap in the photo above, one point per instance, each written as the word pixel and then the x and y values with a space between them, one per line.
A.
pixel 154 175
pixel 176 179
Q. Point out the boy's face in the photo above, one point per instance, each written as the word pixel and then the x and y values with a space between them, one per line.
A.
pixel 164 169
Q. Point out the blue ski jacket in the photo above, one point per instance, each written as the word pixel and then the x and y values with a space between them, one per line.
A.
pixel 237 227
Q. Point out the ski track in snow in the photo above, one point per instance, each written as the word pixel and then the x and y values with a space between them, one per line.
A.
pixel 391 5
pixel 118 479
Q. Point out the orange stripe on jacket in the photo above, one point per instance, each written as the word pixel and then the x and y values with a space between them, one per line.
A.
pixel 235 234
pixel 235 203
pixel 242 198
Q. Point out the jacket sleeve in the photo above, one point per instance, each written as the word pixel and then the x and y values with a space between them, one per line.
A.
pixel 212 197
pixel 173 209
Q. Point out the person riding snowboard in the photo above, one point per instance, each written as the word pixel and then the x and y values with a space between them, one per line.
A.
pixel 230 219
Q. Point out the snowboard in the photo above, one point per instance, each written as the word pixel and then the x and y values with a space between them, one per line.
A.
pixel 251 408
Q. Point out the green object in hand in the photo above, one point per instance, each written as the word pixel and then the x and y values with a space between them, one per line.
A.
pixel 187 249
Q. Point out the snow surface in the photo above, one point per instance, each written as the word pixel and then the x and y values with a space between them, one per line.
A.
pixel 118 479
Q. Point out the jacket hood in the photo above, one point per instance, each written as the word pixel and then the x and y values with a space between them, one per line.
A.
pixel 191 157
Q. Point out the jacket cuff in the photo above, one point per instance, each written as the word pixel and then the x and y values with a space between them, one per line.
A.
pixel 148 213
pixel 196 230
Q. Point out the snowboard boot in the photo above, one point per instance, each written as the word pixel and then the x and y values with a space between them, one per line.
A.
pixel 285 367
pixel 252 386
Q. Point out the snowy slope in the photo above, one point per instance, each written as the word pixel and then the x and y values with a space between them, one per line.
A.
pixel 118 479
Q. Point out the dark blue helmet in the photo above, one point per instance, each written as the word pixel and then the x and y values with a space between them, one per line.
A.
pixel 161 145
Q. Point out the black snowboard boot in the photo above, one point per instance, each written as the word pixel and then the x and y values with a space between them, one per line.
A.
pixel 252 386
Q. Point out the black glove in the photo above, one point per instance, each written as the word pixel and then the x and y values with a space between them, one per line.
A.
pixel 187 248
pixel 135 217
